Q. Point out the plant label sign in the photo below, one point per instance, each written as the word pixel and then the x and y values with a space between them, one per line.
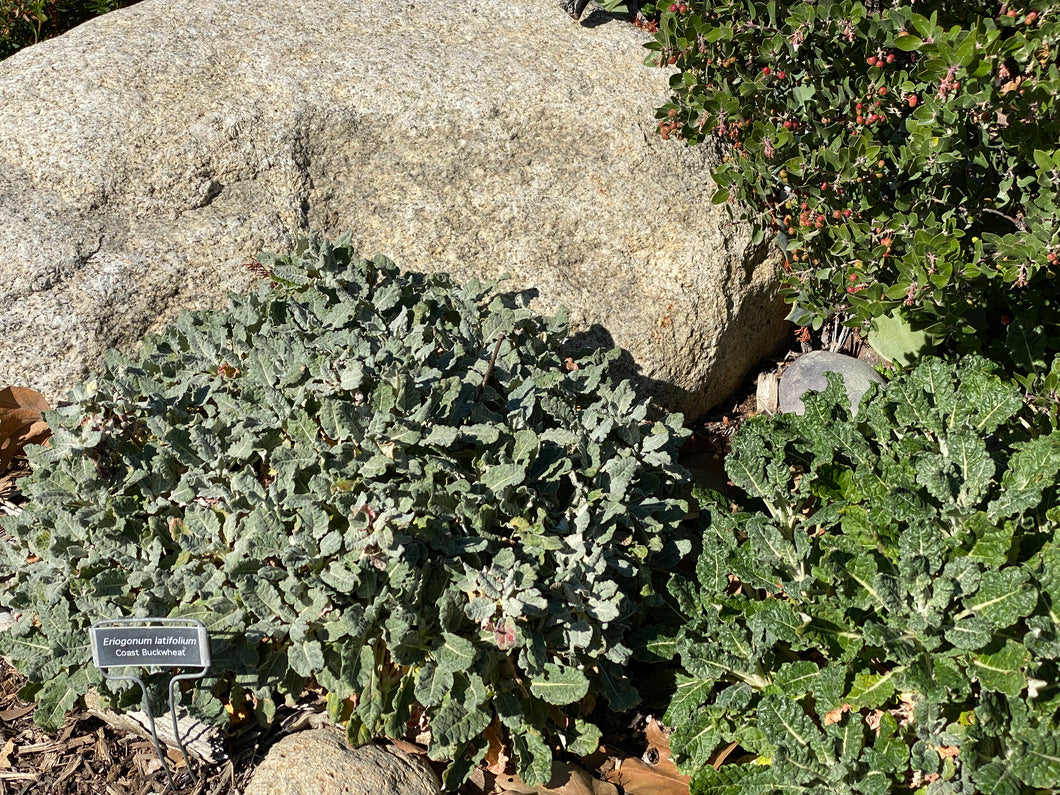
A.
pixel 149 642
pixel 152 642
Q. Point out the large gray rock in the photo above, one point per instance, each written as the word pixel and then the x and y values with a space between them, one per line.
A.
pixel 318 762
pixel 150 153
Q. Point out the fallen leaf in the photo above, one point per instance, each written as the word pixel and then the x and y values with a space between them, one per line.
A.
pixel 8 715
pixel 723 754
pixel 946 751
pixel 655 773
pixel 20 422
pixel 5 753
pixel 872 720
pixel 412 749
pixel 497 757
pixel 566 780
pixel 836 714
pixel 903 713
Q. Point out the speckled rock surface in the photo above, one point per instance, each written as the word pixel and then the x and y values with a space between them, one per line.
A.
pixel 807 373
pixel 318 762
pixel 148 154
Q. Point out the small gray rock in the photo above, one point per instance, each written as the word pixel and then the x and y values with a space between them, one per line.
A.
pixel 318 762
pixel 807 373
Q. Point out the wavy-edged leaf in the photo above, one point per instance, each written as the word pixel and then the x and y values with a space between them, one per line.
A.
pixel 871 690
pixel 740 780
pixel 455 654
pixel 1036 761
pixel 996 778
pixel 1003 597
pixel 58 696
pixel 786 724
pixel 690 692
pixel 1001 670
pixel 560 685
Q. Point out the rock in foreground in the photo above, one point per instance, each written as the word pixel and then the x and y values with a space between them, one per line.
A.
pixel 150 153
pixel 808 374
pixel 318 762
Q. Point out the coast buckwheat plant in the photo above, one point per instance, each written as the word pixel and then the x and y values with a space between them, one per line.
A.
pixel 395 488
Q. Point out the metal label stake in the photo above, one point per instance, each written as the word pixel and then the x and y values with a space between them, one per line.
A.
pixel 157 642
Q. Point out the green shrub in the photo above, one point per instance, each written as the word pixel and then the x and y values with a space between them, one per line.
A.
pixel 888 617
pixel 26 22
pixel 905 159
pixel 383 483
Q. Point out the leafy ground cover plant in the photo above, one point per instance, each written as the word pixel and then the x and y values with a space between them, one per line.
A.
pixel 881 616
pixel 903 156
pixel 381 483
pixel 26 22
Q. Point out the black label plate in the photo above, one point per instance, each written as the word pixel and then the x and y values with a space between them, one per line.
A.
pixel 150 645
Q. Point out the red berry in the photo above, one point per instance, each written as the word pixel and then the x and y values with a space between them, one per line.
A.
pixel 883 90
pixel 871 60
pixel 787 124
pixel 913 99
pixel 1005 320
pixel 859 120
pixel 853 277
pixel 890 58
pixel 847 213
pixel 824 186
pixel 781 75
pixel 837 213
pixel 766 70
pixel 683 8
pixel 859 106
pixel 1030 18
pixel 673 8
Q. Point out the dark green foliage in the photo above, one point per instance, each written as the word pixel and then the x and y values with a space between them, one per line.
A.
pixel 381 482
pixel 886 617
pixel 904 156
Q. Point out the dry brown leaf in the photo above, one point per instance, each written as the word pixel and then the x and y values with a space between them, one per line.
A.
pixel 656 776
pixel 16 712
pixel 412 749
pixel 19 397
pixel 903 713
pixel 836 714
pixel 723 754
pixel 946 751
pixel 872 720
pixel 497 757
pixel 5 753
pixel 20 422
pixel 566 780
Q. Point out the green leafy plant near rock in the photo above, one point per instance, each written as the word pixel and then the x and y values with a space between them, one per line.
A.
pixel 904 157
pixel 26 22
pixel 881 615
pixel 386 484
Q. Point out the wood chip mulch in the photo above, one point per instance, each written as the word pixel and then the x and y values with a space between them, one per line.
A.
pixel 89 757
